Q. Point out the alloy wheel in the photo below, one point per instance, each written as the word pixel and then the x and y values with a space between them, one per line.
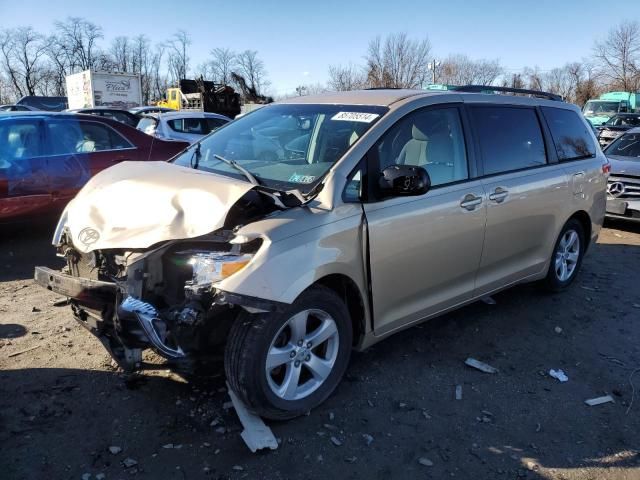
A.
pixel 302 354
pixel 567 255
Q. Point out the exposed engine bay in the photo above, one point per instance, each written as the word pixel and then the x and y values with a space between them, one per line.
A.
pixel 162 297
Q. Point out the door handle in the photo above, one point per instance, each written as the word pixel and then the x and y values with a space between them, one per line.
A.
pixel 470 202
pixel 578 174
pixel 498 195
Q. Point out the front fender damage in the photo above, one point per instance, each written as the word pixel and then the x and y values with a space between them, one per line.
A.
pixel 163 297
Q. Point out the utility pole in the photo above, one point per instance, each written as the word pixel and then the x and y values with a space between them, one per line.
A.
pixel 433 66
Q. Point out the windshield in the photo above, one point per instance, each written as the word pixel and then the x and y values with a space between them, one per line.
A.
pixel 598 108
pixel 623 120
pixel 628 145
pixel 284 146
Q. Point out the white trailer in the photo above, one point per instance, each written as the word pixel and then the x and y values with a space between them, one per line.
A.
pixel 103 89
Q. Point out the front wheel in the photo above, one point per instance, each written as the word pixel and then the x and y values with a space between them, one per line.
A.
pixel 567 256
pixel 286 363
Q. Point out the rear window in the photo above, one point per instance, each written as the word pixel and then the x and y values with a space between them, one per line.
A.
pixel 510 138
pixel 570 134
pixel 147 125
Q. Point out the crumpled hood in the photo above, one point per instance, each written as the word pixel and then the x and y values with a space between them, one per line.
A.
pixel 137 204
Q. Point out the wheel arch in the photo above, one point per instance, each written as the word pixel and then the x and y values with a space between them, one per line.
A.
pixel 585 220
pixel 347 289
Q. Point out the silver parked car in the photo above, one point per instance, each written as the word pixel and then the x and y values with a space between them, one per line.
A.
pixel 181 125
pixel 387 208
pixel 623 188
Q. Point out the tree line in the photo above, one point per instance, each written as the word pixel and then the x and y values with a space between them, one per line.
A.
pixel 34 63
pixel 400 62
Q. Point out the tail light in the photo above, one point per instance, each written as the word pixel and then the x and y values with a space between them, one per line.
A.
pixel 606 168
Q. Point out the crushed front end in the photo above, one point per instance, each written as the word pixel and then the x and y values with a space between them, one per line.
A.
pixel 161 298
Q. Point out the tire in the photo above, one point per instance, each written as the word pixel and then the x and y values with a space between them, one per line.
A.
pixel 256 338
pixel 558 279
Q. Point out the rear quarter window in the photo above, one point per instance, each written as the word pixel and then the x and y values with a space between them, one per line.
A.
pixel 570 134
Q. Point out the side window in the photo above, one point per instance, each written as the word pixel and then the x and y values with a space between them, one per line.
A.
pixel 64 136
pixel 570 134
pixel 187 125
pixel 510 138
pixel 70 137
pixel 213 123
pixel 432 139
pixel 19 140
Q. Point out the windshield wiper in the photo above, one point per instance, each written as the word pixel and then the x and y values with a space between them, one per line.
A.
pixel 238 167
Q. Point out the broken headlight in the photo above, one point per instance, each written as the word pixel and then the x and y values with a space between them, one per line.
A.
pixel 211 267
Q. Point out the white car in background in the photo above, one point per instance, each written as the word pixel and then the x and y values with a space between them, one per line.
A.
pixel 185 126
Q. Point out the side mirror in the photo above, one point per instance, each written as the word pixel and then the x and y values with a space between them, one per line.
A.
pixel 404 180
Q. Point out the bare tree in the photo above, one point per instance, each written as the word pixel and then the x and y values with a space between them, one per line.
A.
pixel 534 78
pixel 618 56
pixel 461 70
pixel 121 54
pixel 344 78
pixel 141 63
pixel 178 60
pixel 23 50
pixel 157 80
pixel 560 82
pixel 252 69
pixel 60 63
pixel 79 37
pixel 223 62
pixel 514 82
pixel 398 62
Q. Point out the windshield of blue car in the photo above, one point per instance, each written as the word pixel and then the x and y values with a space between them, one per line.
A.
pixel 284 146
pixel 627 145
pixel 598 108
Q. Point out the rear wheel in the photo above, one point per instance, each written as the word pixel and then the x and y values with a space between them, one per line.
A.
pixel 567 256
pixel 286 363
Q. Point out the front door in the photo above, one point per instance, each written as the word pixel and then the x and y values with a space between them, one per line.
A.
pixel 425 250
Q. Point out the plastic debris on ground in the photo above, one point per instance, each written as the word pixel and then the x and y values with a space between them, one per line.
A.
pixel 592 402
pixel 559 375
pixel 488 300
pixel 483 367
pixel 458 392
pixel 255 434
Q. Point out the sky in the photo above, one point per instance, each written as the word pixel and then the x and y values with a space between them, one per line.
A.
pixel 299 40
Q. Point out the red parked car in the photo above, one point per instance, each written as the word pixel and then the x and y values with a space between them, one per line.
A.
pixel 45 157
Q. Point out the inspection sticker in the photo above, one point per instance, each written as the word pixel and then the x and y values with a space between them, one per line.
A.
pixel 355 117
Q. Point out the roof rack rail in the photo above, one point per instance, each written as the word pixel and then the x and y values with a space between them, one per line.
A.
pixel 491 88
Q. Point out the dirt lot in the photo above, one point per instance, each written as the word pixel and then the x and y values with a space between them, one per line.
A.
pixel 62 404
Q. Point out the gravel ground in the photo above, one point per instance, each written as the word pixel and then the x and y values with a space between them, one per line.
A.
pixel 65 412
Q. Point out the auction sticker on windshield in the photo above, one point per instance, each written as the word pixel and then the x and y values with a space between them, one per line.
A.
pixel 355 117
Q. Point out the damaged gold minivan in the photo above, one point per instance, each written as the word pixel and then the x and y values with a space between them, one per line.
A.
pixel 323 224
